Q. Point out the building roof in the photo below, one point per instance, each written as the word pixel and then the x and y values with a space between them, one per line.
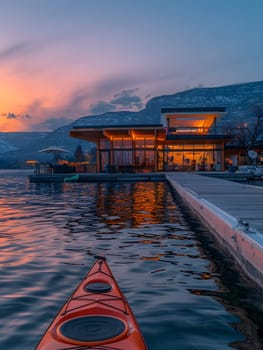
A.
pixel 115 125
pixel 124 126
pixel 193 110
pixel 93 133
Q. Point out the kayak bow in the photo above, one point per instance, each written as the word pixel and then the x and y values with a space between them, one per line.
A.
pixel 96 316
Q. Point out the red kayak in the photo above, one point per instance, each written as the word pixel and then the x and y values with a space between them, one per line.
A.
pixel 96 316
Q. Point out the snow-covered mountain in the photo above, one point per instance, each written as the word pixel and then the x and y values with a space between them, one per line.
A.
pixel 12 141
pixel 238 100
pixel 6 147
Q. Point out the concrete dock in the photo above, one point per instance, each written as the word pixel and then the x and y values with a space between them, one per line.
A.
pixel 233 211
pixel 96 177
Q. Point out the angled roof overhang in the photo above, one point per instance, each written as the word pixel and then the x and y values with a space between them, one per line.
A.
pixel 93 134
pixel 203 117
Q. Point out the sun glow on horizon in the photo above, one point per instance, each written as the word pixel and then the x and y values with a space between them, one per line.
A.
pixel 58 64
pixel 13 125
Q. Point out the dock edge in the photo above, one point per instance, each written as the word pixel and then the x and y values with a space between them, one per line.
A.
pixel 245 246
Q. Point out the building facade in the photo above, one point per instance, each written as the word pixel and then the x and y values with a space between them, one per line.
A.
pixel 186 139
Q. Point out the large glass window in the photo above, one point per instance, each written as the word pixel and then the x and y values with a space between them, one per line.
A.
pixel 122 143
pixel 188 157
pixel 104 144
pixel 144 158
pixel 122 157
pixel 144 143
pixel 105 159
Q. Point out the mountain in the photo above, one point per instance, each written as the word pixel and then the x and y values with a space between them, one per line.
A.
pixel 12 141
pixel 5 146
pixel 14 154
pixel 238 99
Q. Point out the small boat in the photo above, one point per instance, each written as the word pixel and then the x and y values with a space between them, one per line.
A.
pixel 96 316
pixel 73 178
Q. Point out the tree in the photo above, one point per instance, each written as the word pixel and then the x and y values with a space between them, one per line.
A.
pixel 91 155
pixel 257 129
pixel 246 134
pixel 79 155
pixel 239 135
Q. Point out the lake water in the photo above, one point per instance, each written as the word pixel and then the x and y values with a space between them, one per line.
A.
pixel 184 294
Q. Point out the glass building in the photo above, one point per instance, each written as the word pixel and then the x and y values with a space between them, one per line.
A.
pixel 185 139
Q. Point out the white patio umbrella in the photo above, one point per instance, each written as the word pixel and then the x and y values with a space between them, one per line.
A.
pixel 55 150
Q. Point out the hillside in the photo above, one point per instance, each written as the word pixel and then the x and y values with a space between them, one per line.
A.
pixel 12 141
pixel 237 99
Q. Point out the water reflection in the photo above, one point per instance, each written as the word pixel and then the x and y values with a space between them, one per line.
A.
pixel 49 234
pixel 138 204
pixel 239 297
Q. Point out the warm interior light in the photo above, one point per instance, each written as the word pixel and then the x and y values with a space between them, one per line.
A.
pixel 191 123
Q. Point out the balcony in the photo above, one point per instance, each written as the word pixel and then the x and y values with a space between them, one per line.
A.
pixel 195 133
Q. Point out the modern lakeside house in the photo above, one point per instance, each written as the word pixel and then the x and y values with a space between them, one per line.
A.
pixel 185 139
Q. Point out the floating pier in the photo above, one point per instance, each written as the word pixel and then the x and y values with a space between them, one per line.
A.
pixel 104 177
pixel 97 177
pixel 233 211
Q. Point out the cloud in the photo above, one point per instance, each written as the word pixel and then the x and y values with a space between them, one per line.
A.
pixel 101 107
pixel 105 96
pixel 16 50
pixel 109 85
pixel 11 115
pixel 127 99
pixel 77 106
pixel 36 107
pixel 52 123
pixel 43 116
pixel 79 102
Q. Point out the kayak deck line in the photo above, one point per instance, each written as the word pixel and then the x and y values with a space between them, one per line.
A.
pixel 96 316
pixel 92 298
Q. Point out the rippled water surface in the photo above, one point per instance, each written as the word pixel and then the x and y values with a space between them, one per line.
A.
pixel 49 234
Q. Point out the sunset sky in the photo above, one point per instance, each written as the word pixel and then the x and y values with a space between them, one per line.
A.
pixel 63 59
